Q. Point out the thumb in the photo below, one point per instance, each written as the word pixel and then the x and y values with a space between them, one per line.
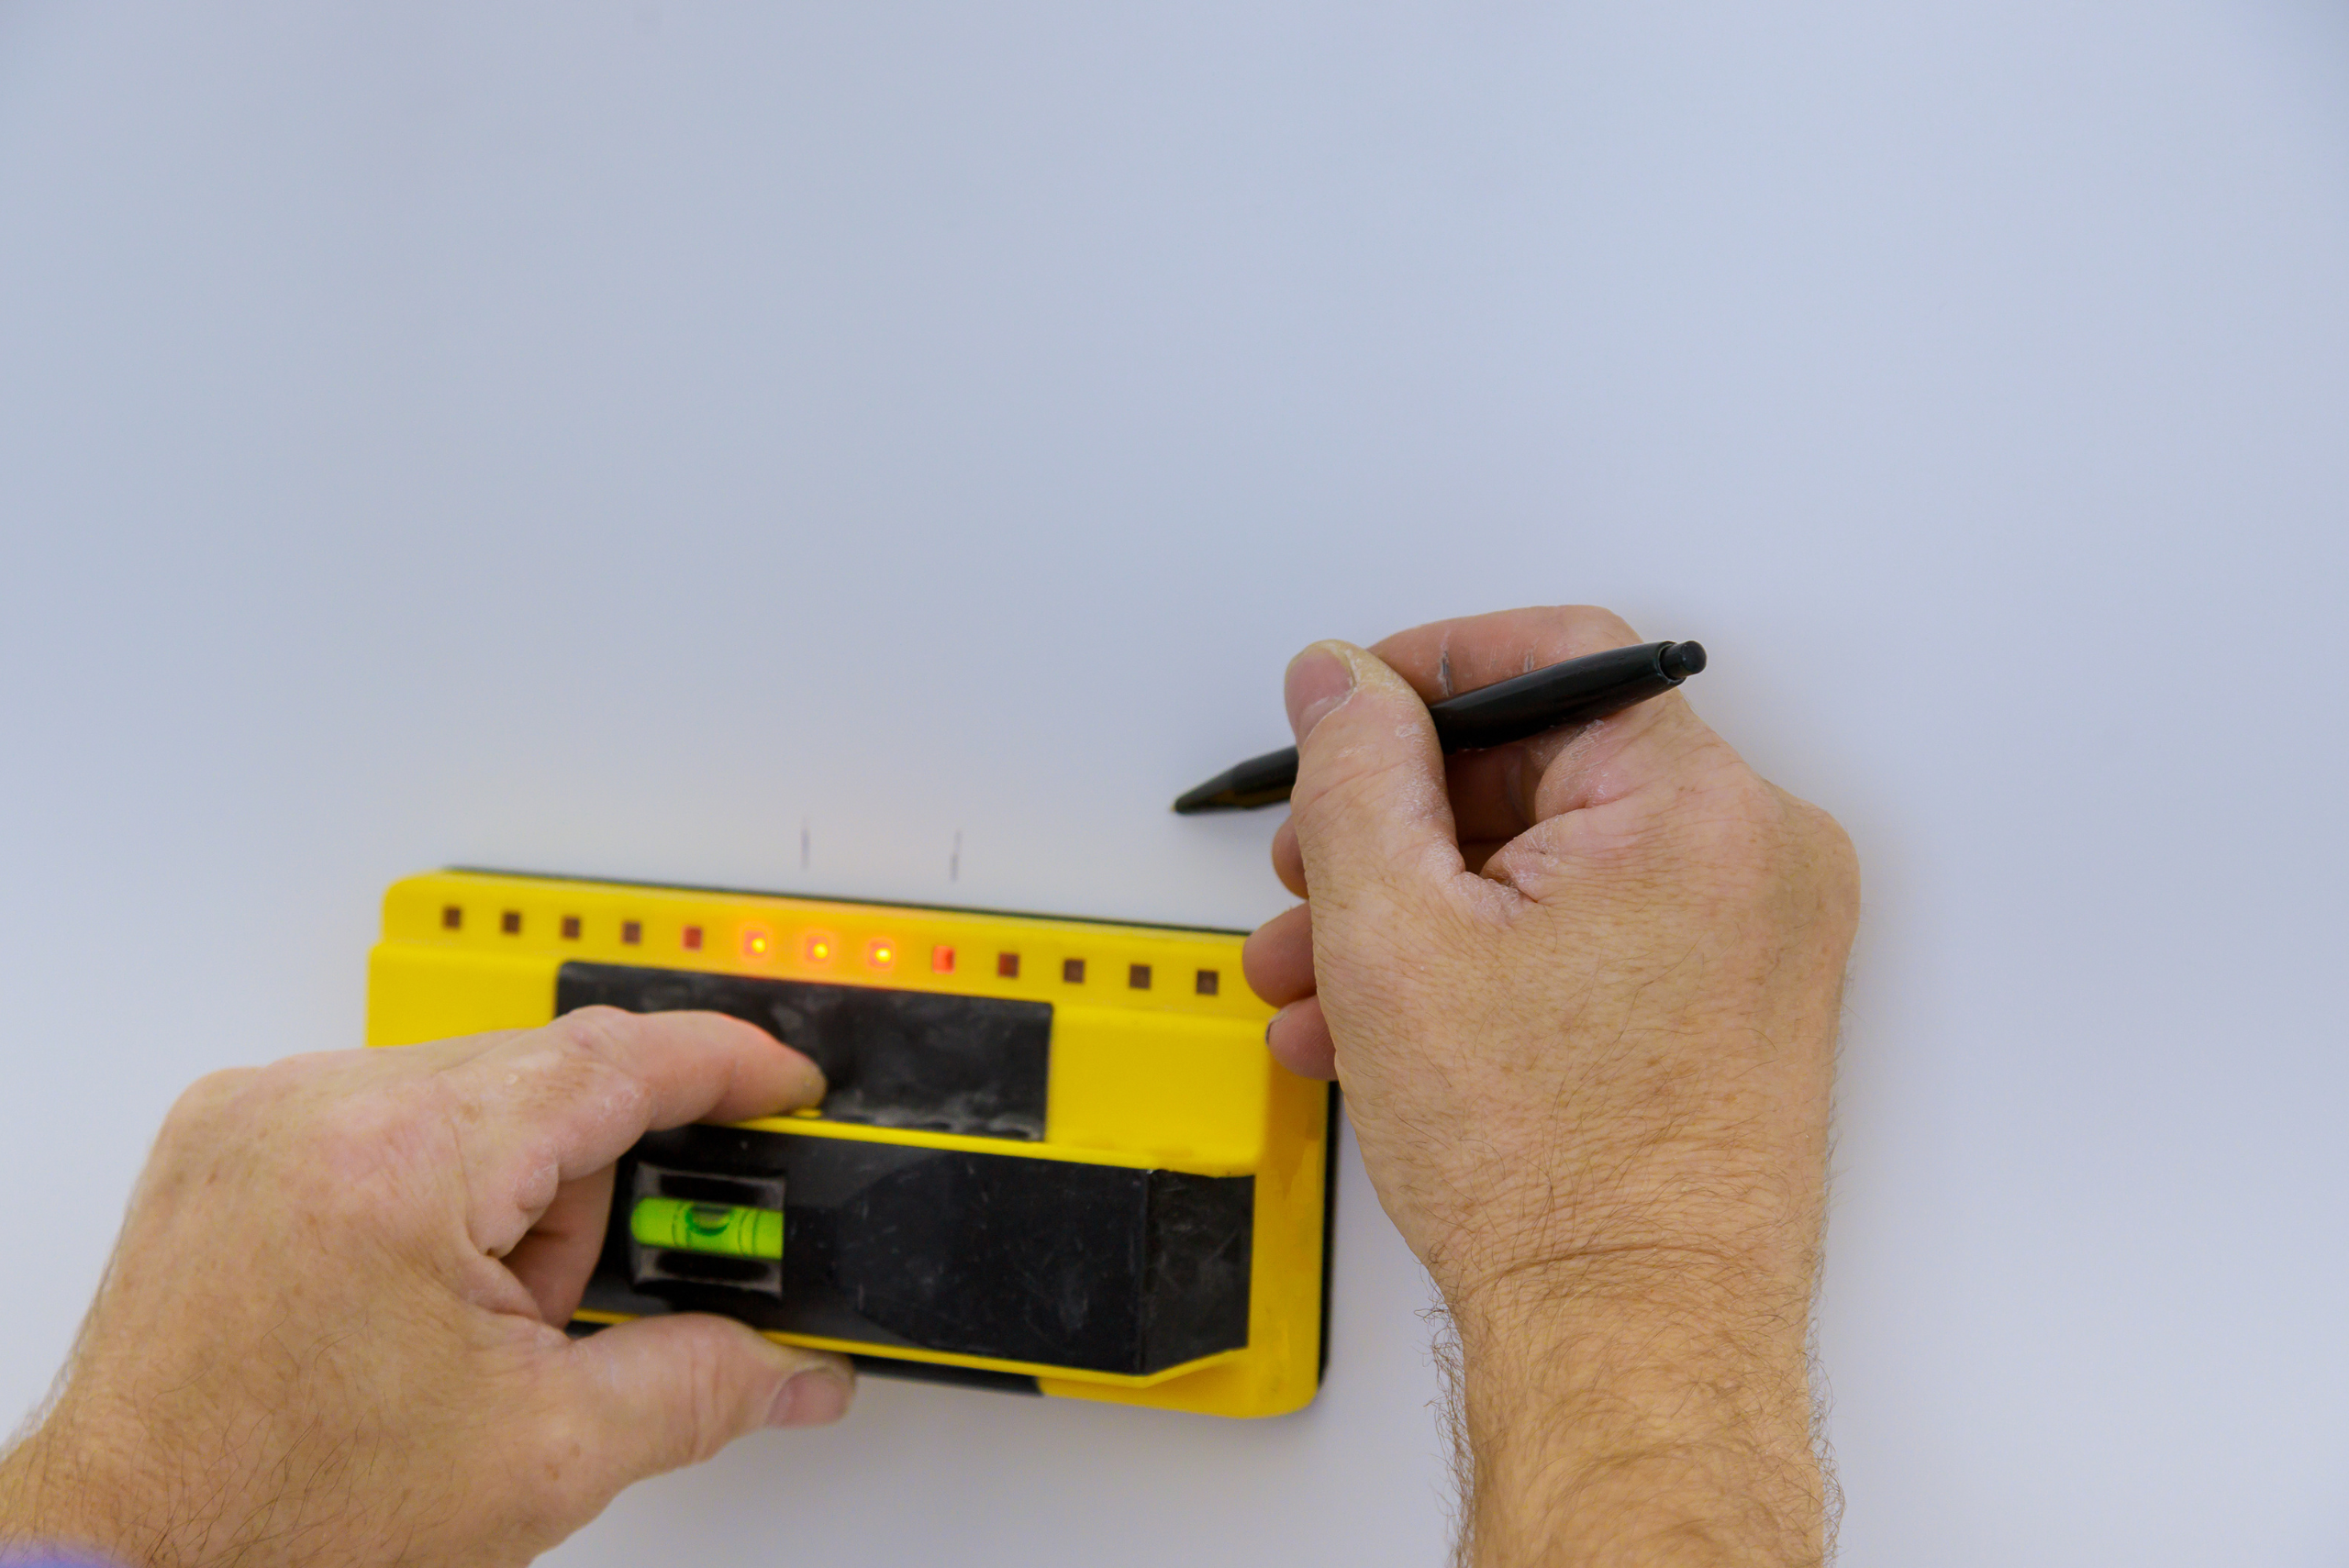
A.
pixel 661 1393
pixel 1369 808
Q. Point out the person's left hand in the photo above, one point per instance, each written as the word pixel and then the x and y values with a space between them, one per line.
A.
pixel 333 1329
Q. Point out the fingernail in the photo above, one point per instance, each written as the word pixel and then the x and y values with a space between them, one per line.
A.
pixel 812 1086
pixel 1317 680
pixel 810 1399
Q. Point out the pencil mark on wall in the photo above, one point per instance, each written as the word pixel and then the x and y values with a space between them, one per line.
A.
pixel 954 859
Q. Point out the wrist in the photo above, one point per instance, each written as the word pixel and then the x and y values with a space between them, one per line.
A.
pixel 1703 1237
pixel 1646 1407
pixel 29 1517
pixel 58 1495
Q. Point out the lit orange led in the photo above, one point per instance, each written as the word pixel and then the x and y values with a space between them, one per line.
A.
pixel 882 953
pixel 819 947
pixel 756 943
pixel 941 960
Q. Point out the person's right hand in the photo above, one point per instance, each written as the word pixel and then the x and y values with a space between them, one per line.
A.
pixel 1582 993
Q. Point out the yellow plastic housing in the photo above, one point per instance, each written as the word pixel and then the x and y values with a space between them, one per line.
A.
pixel 1157 1058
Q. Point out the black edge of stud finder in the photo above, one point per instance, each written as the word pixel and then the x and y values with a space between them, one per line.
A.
pixel 1575 692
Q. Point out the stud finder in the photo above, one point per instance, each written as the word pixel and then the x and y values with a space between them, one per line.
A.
pixel 1053 1157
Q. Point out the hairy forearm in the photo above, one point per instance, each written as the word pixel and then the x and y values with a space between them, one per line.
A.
pixel 70 1485
pixel 39 1499
pixel 1612 1417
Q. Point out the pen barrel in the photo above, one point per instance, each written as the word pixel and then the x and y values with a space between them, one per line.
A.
pixel 1261 781
pixel 1538 701
pixel 1575 692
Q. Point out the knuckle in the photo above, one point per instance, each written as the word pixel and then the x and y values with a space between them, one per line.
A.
pixel 1743 811
pixel 1594 626
pixel 359 1119
pixel 353 1142
pixel 210 1114
pixel 1768 849
pixel 708 1424
pixel 586 1051
pixel 1832 860
pixel 242 1105
pixel 580 1052
pixel 207 1098
pixel 1825 835
pixel 705 1415
pixel 598 1029
pixel 1733 842
pixel 1745 793
pixel 1716 817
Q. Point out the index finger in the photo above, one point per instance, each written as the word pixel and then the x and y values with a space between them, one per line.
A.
pixel 551 1104
pixel 1445 658
pixel 1498 792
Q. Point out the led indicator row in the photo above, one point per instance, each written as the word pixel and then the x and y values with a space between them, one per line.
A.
pixel 821 948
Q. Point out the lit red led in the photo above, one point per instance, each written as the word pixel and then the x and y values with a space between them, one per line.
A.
pixel 819 947
pixel 756 943
pixel 881 952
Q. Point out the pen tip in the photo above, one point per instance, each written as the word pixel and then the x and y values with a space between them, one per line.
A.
pixel 1190 802
pixel 1682 660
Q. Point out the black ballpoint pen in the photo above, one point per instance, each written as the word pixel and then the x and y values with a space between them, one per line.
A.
pixel 1573 693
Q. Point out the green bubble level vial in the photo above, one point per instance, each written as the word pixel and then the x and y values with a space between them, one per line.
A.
pixel 725 1229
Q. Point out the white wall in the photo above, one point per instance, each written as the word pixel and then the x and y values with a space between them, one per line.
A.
pixel 605 439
